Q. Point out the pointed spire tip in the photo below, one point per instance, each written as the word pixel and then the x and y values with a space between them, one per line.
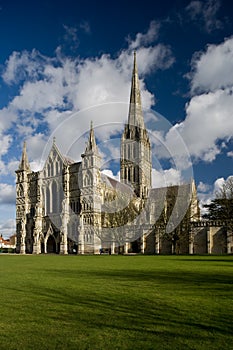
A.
pixel 135 116
pixel 135 61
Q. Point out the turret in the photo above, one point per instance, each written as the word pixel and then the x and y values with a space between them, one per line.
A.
pixel 22 200
pixel 91 198
pixel 91 162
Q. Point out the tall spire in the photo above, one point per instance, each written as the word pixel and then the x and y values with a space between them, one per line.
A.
pixel 135 109
pixel 91 144
pixel 24 164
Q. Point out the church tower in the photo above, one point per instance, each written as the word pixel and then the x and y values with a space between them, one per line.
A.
pixel 22 201
pixel 136 161
pixel 91 198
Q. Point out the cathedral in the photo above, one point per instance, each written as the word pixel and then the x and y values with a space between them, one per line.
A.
pixel 72 207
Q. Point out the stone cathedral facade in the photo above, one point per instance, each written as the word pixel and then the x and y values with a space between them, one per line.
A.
pixel 72 207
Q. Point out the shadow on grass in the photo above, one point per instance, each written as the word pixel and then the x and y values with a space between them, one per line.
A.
pixel 137 318
pixel 133 300
pixel 180 305
pixel 160 277
pixel 208 259
pixel 132 306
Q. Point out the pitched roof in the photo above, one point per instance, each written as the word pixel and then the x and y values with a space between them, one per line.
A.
pixel 116 185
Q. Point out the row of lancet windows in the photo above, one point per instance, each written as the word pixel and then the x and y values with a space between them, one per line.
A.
pixel 75 206
pixel 88 237
pixel 131 151
pixel 54 168
pixel 88 179
pixel 87 205
pixel 88 161
pixel 88 220
pixel 53 197
pixel 131 174
pixel 72 228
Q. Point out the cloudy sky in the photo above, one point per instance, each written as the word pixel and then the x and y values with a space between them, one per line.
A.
pixel 64 64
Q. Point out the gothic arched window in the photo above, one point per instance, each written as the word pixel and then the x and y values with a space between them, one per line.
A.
pixel 54 197
pixel 73 182
pixel 57 168
pixel 129 155
pixel 48 170
pixel 47 200
pixel 129 174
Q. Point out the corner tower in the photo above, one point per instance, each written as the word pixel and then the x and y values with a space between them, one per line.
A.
pixel 136 161
pixel 91 198
pixel 22 201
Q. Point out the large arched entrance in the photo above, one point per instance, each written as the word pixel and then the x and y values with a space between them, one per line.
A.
pixel 51 245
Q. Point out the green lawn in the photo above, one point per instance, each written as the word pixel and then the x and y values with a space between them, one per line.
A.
pixel 116 302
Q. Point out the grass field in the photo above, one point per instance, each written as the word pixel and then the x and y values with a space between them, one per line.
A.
pixel 116 302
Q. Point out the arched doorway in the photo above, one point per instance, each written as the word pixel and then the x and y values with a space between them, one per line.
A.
pixel 51 245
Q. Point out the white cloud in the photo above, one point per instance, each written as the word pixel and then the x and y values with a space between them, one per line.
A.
pixel 205 14
pixel 204 198
pixel 22 65
pixel 35 146
pixel 85 26
pixel 62 95
pixel 148 58
pixel 208 120
pixel 144 39
pixel 5 142
pixel 160 178
pixel 207 192
pixel 230 154
pixel 94 86
pixel 213 69
pixel 51 90
pixel 164 178
pixel 109 173
pixel 208 125
pixel 218 184
pixel 71 36
pixel 7 193
pixel 202 187
pixel 8 168
pixel 7 117
pixel 48 95
pixel 7 228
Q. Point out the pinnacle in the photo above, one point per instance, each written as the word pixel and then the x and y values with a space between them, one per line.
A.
pixel 24 164
pixel 91 144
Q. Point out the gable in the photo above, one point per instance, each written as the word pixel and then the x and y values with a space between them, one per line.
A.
pixel 54 163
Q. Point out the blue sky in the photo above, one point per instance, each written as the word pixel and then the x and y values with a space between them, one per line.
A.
pixel 63 64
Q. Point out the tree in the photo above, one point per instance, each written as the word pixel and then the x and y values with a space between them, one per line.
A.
pixel 221 207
